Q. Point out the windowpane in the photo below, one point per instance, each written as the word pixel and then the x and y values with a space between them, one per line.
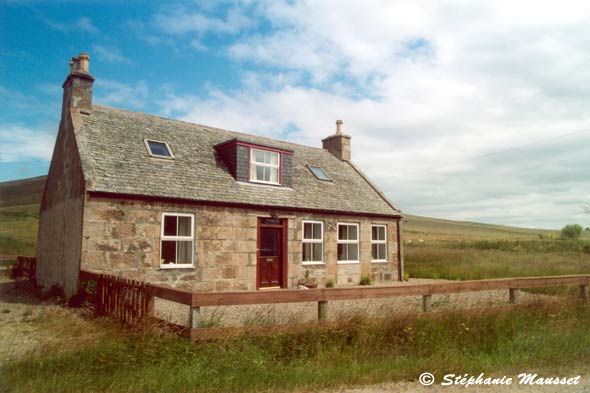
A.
pixel 170 225
pixel 352 232
pixel 259 173
pixel 159 149
pixel 184 226
pixel 258 155
pixel 317 231
pixel 183 252
pixel 381 233
pixel 168 251
pixel 308 230
pixel 317 251
pixel 307 252
pixel 273 158
pixel 342 252
pixel 353 252
pixel 374 251
pixel 319 173
pixel 374 232
pixel 342 232
pixel 381 249
pixel 274 175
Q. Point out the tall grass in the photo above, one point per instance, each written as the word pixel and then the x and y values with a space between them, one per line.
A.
pixel 483 259
pixel 532 337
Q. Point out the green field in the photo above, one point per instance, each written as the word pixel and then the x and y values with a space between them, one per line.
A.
pixel 85 354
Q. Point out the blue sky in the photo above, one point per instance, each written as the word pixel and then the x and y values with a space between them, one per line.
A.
pixel 466 111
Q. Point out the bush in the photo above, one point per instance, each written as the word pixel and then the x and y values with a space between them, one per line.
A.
pixel 571 231
pixel 330 283
pixel 366 280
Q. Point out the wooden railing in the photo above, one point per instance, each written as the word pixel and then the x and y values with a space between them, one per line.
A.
pixel 322 296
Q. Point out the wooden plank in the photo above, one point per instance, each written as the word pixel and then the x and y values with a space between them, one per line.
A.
pixel 172 294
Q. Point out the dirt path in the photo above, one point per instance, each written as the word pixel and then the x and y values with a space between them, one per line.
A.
pixel 29 325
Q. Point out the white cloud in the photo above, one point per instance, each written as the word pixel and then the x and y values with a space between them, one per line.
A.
pixel 110 92
pixel 21 143
pixel 110 55
pixel 422 85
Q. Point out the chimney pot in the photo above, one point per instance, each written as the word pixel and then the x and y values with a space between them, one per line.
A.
pixel 83 62
pixel 339 127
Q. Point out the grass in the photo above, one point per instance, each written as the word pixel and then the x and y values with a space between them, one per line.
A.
pixel 496 259
pixel 18 229
pixel 533 337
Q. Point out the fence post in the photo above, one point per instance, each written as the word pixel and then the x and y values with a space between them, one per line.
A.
pixel 426 303
pixel 322 310
pixel 513 295
pixel 584 292
pixel 194 317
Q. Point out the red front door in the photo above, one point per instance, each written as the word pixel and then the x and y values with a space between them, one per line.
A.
pixel 271 253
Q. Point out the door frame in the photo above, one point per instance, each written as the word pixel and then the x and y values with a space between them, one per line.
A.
pixel 282 225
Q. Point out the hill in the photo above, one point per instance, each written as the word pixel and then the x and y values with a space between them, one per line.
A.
pixel 22 192
pixel 417 227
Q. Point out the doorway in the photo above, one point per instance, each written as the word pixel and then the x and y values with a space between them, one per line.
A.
pixel 271 267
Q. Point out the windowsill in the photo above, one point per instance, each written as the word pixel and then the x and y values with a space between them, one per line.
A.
pixel 312 263
pixel 161 157
pixel 348 262
pixel 268 185
pixel 179 267
pixel 380 261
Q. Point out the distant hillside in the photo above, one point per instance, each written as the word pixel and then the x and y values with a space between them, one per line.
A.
pixel 417 227
pixel 29 192
pixel 22 192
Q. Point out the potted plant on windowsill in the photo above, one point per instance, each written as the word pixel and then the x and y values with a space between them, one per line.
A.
pixel 308 281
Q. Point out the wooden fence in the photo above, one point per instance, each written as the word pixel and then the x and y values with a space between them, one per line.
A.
pixel 128 301
pixel 118 303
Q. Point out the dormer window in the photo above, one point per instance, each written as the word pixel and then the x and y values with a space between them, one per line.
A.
pixel 265 166
pixel 158 149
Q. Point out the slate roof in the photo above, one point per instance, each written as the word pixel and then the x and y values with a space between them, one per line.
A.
pixel 115 160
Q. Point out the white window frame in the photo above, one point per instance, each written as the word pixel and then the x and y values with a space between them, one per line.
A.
pixel 312 241
pixel 357 242
pixel 149 150
pixel 373 241
pixel 254 164
pixel 178 238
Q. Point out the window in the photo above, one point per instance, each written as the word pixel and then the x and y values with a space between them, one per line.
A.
pixel 379 243
pixel 264 166
pixel 158 149
pixel 319 173
pixel 348 243
pixel 177 240
pixel 313 243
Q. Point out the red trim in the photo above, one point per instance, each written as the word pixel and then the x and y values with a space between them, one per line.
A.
pixel 262 147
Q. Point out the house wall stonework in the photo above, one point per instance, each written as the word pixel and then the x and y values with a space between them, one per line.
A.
pixel 122 236
pixel 60 219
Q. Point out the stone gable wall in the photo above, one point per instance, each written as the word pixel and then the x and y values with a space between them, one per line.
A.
pixel 123 237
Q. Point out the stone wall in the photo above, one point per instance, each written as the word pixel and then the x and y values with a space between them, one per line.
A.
pixel 60 221
pixel 122 236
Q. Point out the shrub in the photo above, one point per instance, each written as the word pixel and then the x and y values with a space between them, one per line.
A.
pixel 366 279
pixel 571 231
pixel 330 283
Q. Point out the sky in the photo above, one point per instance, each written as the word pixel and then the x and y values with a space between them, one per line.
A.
pixel 463 110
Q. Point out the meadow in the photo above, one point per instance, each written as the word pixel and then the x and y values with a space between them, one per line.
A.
pixel 543 338
pixel 94 355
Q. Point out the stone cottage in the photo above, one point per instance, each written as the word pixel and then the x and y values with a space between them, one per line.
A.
pixel 203 208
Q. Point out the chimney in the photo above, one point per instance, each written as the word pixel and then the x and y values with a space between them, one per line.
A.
pixel 78 85
pixel 338 144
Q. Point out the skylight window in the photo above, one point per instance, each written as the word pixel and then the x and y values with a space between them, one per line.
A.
pixel 319 173
pixel 158 149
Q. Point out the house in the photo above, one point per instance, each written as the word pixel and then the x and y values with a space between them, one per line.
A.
pixel 205 209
